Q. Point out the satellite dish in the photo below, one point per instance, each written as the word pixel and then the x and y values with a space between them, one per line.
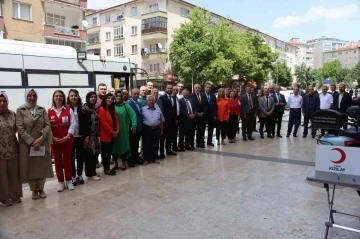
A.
pixel 159 45
pixel 85 23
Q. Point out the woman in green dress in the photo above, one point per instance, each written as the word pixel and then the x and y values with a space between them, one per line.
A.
pixel 127 120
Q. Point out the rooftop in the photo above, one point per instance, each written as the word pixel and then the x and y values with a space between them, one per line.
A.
pixel 351 46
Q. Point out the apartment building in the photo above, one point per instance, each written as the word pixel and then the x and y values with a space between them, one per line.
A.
pixel 143 30
pixel 305 52
pixel 57 22
pixel 324 44
pixel 349 55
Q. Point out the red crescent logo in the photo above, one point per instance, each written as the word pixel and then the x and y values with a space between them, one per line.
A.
pixel 343 156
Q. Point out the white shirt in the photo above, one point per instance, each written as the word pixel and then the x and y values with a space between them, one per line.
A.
pixel 179 96
pixel 72 120
pixel 177 106
pixel 326 101
pixel 295 102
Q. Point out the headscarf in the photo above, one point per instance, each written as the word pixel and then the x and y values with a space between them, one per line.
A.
pixel 6 97
pixel 118 91
pixel 88 95
pixel 29 105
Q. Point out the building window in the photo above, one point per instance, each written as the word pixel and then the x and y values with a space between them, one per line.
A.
pixel 21 11
pixel 108 36
pixel 133 11
pixel 119 50
pixel 134 30
pixel 94 21
pixel 108 52
pixel 154 7
pixel 55 20
pixel 134 49
pixel 107 18
pixel 151 68
pixel 154 22
pixel 79 46
pixel 184 12
pixel 0 14
pixel 119 32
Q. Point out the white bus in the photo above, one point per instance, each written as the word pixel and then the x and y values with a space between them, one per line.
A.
pixel 45 68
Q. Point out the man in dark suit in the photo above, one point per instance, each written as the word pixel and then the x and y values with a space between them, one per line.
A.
pixel 248 113
pixel 187 122
pixel 169 106
pixel 311 104
pixel 279 110
pixel 201 105
pixel 342 102
pixel 211 113
pixel 333 91
pixel 175 147
pixel 135 138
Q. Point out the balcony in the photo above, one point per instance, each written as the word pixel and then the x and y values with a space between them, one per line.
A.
pixel 93 43
pixel 93 27
pixel 154 54
pixel 154 33
pixel 118 18
pixel 64 32
pixel 77 3
pixel 154 12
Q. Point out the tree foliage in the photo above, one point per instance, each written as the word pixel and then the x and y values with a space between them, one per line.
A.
pixel 206 51
pixel 305 75
pixel 336 73
pixel 281 74
pixel 356 73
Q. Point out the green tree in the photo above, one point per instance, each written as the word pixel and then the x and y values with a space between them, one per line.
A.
pixel 305 75
pixel 356 73
pixel 332 70
pixel 281 74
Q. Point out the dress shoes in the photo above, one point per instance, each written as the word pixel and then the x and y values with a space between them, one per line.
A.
pixel 279 136
pixel 295 135
pixel 261 136
pixel 255 130
pixel 244 138
pixel 210 144
pixel 161 156
pixel 251 138
pixel 181 150
pixel 270 136
pixel 200 146
pixel 171 153
pixel 176 149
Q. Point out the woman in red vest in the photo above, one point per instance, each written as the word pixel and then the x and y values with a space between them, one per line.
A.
pixel 109 130
pixel 62 126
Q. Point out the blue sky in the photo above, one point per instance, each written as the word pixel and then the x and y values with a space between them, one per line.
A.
pixel 284 19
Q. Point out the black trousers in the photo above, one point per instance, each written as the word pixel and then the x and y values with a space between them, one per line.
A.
pixel 90 163
pixel 176 134
pixel 200 130
pixel 307 118
pixel 106 151
pixel 210 125
pixel 150 140
pixel 248 123
pixel 277 122
pixel 221 129
pixel 78 155
pixel 186 132
pixel 232 126
pixel 134 147
pixel 167 138
pixel 266 121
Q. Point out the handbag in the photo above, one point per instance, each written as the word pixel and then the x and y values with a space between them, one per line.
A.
pixel 90 147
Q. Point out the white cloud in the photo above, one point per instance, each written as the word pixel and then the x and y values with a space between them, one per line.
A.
pixel 315 14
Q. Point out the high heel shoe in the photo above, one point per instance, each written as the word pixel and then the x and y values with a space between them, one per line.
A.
pixel 123 166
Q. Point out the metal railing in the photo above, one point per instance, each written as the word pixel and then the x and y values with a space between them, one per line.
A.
pixel 94 24
pixel 95 40
pixel 154 9
pixel 66 31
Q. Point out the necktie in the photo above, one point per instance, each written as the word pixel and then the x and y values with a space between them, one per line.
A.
pixel 199 98
pixel 278 98
pixel 172 102
pixel 267 102
pixel 208 97
pixel 250 103
pixel 188 107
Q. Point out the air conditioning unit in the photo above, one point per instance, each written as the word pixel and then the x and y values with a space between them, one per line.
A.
pixel 119 17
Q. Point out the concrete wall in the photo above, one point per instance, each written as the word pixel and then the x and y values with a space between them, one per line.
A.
pixel 22 29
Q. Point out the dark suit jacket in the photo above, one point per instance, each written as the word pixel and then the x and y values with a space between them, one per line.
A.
pixel 334 94
pixel 212 107
pixel 315 104
pixel 279 109
pixel 139 118
pixel 184 110
pixel 245 104
pixel 345 103
pixel 201 107
pixel 169 109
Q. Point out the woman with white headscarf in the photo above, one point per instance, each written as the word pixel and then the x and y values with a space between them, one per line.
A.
pixel 34 133
pixel 10 186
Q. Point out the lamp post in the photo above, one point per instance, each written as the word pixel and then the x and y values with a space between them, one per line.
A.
pixel 192 70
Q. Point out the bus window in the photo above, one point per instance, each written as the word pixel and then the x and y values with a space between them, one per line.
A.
pixel 8 78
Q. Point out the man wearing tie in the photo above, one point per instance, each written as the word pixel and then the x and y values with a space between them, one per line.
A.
pixel 187 122
pixel 266 105
pixel 201 105
pixel 279 110
pixel 342 101
pixel 211 113
pixel 333 91
pixel 248 113
pixel 175 147
pixel 169 105
pixel 311 104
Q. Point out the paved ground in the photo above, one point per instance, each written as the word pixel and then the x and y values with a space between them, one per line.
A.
pixel 243 190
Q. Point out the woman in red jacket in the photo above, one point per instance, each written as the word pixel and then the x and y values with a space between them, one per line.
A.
pixel 234 105
pixel 62 126
pixel 109 129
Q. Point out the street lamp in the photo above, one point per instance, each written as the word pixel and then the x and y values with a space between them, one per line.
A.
pixel 192 70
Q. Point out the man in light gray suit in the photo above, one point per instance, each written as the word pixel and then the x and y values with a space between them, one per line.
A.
pixel 266 105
